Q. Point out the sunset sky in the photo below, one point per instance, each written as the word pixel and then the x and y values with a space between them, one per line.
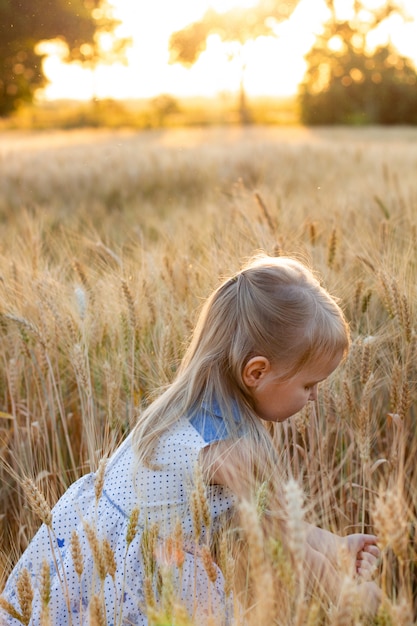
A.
pixel 275 66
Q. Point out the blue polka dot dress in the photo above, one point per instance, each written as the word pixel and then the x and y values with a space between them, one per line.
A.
pixel 162 498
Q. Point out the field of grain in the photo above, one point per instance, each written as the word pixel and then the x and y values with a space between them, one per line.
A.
pixel 109 243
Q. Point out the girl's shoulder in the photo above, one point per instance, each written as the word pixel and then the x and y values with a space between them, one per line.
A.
pixel 208 420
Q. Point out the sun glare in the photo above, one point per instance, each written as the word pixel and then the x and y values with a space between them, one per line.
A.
pixel 274 65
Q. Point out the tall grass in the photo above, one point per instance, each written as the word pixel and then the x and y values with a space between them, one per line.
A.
pixel 109 243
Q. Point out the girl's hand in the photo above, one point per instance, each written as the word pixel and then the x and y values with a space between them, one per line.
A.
pixel 365 552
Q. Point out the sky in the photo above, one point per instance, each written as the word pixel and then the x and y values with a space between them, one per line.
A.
pixel 274 65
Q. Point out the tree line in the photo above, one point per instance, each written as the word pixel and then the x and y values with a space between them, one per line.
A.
pixel 345 81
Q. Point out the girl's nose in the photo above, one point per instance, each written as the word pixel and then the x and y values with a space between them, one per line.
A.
pixel 313 393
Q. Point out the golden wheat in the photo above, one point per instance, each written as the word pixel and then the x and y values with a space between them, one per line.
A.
pixel 101 278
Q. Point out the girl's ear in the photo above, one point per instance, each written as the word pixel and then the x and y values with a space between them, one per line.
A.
pixel 255 370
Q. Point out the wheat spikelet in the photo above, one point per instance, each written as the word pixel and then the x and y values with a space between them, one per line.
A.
pixel 178 542
pixel 126 334
pixel 148 592
pixel 37 501
pixel 132 527
pixel 109 558
pixel 182 618
pixel 402 613
pixel 366 300
pixel 388 297
pixel 390 521
pixel 227 565
pixel 404 399
pixel 202 498
pixel 150 302
pixel 10 610
pixel 396 382
pixel 396 299
pixel 208 564
pixel 79 270
pixel 314 617
pixel 260 570
pixel 99 479
pixel 277 250
pixel 212 621
pixel 312 233
pixel 168 554
pixel 148 548
pixel 196 514
pixel 76 553
pixel 262 495
pixel 345 612
pixel 45 617
pixel 167 593
pixel 130 304
pixel 294 501
pixel 112 402
pixel 366 362
pixel 96 550
pixel 80 366
pixel 27 325
pixel 14 377
pixel 367 262
pixel 332 248
pixel 384 615
pixel 363 427
pixel 45 585
pixel 25 595
pixel 96 612
pixel 265 212
pixel 348 396
pixel 169 269
pixel 357 297
pixel 406 319
pixel 73 333
pixel 107 253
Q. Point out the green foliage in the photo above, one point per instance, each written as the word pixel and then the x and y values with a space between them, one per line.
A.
pixel 23 24
pixel 163 106
pixel 347 84
pixel 236 25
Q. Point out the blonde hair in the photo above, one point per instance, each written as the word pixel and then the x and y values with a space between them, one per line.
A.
pixel 274 307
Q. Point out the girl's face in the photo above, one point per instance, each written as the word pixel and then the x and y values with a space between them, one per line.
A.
pixel 275 400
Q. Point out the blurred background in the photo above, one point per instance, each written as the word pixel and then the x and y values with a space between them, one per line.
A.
pixel 191 62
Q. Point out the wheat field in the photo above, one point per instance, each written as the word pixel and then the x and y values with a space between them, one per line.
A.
pixel 109 243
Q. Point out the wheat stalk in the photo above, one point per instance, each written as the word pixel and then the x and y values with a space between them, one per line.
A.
pixel 96 612
pixel 25 595
pixel 332 248
pixel 132 527
pixel 37 501
pixel 45 594
pixel 208 564
pixel 296 533
pixel 260 570
pixel 76 553
pixel 96 550
pixel 99 479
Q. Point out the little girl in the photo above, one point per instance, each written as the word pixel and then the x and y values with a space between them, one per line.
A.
pixel 119 542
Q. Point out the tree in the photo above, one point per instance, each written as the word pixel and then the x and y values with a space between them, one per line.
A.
pixel 234 26
pixel 24 23
pixel 347 83
pixel 163 106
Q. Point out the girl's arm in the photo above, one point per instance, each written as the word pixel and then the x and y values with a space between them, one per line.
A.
pixel 227 464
